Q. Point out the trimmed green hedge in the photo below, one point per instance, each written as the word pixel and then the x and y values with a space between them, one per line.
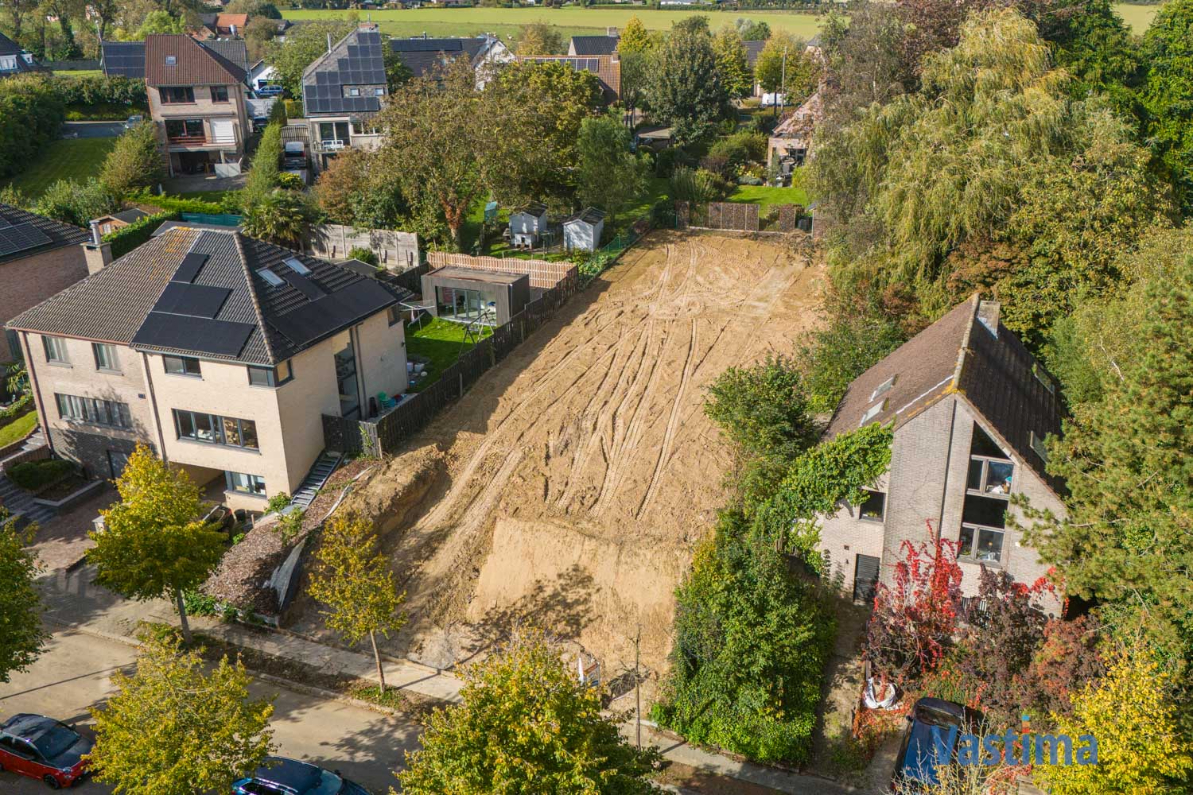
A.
pixel 33 475
pixel 18 409
pixel 127 238
pixel 229 204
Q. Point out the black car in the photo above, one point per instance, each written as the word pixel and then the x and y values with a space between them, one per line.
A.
pixel 919 754
pixel 281 776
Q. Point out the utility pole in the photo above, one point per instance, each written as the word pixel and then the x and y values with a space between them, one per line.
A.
pixel 783 85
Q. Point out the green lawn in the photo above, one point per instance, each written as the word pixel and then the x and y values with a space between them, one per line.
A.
pixel 767 196
pixel 440 342
pixel 66 158
pixel 17 429
pixel 78 72
pixel 571 21
pixel 1138 17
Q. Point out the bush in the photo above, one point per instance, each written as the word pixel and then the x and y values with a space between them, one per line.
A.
pixel 282 217
pixel 288 181
pixel 100 90
pixel 263 174
pixel 76 203
pixel 229 204
pixel 763 408
pixel 835 355
pixel 364 255
pixel 738 150
pixel 31 115
pixel 699 186
pixel 127 238
pixel 33 475
pixel 277 502
pixel 134 162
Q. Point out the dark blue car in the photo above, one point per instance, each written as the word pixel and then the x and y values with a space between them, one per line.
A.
pixel 280 776
pixel 920 754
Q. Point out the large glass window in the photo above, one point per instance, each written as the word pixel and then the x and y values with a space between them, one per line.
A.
pixel 988 489
pixel 182 365
pixel 174 95
pixel 246 484
pixel 185 129
pixel 346 379
pixel 93 411
pixel 105 357
pixel 454 303
pixel 981 543
pixel 219 93
pixel 214 429
pixel 55 350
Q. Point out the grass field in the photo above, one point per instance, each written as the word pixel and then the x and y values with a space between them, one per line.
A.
pixel 440 342
pixel 79 73
pixel 574 21
pixel 66 158
pixel 766 196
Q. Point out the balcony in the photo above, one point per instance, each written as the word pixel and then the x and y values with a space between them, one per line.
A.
pixel 331 145
pixel 188 140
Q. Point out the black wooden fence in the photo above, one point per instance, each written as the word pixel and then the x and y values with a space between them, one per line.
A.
pixel 386 433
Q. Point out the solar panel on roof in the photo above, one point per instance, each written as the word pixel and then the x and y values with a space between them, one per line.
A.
pixel 189 268
pixel 312 291
pixel 192 300
pixel 333 312
pixel 200 334
pixel 21 237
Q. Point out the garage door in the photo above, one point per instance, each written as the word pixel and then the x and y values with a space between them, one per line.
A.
pixel 223 131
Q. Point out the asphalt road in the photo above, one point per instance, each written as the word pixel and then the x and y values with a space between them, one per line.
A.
pixel 92 129
pixel 74 673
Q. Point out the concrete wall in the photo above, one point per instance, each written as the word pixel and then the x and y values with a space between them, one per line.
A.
pixel 30 280
pixel 397 251
pixel 927 482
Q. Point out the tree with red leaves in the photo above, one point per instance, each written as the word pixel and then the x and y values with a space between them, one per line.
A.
pixel 914 618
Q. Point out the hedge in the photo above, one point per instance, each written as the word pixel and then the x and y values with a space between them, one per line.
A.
pixel 127 238
pixel 229 204
pixel 100 90
pixel 31 114
pixel 33 475
pixel 19 408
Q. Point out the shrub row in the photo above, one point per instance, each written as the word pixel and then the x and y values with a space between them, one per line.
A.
pixel 100 90
pixel 33 475
pixel 127 238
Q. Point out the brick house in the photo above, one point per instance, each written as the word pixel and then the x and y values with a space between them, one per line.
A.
pixel 38 257
pixel 197 101
pixel 970 408
pixel 342 92
pixel 221 352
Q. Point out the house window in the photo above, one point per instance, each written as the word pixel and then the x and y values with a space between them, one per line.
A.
pixel 1039 447
pixel 214 429
pixel 991 472
pixel 55 350
pixel 872 412
pixel 1042 376
pixel 464 305
pixel 176 95
pixel 105 357
pixel 182 365
pixel 171 60
pixel 983 544
pixel 394 315
pixel 378 92
pixel 245 484
pixel 219 93
pixel 883 388
pixel 185 129
pixel 270 376
pixel 874 507
pixel 93 411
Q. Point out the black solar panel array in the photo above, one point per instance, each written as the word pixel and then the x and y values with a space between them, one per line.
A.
pixel 21 237
pixel 308 288
pixel 311 321
pixel 426 45
pixel 363 64
pixel 191 265
pixel 199 334
pixel 192 300
pixel 579 64
pixel 124 59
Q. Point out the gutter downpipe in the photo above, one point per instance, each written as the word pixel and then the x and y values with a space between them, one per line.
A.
pixel 161 439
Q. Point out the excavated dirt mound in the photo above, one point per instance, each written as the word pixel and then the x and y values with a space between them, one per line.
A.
pixel 573 479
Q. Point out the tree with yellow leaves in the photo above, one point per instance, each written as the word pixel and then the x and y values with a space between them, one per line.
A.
pixel 1132 716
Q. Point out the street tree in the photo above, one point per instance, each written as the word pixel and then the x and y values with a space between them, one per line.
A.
pixel 687 91
pixel 153 543
pixel 609 175
pixel 785 65
pixel 434 138
pixel 173 729
pixel 352 578
pixel 526 724
pixel 159 22
pixel 635 38
pixel 21 633
pixel 397 73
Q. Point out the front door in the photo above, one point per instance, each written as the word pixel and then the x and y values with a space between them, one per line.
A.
pixel 865 579
pixel 117 461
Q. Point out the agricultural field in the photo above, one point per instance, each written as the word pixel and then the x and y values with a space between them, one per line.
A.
pixel 65 158
pixel 572 481
pixel 575 21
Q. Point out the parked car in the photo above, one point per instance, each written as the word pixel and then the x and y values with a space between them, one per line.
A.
pixel 270 90
pixel 133 121
pixel 294 156
pixel 281 776
pixel 919 754
pixel 41 747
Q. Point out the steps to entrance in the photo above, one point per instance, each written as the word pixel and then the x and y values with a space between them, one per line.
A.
pixel 320 472
pixel 20 503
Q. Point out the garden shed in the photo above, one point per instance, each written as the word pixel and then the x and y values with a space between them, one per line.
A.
pixel 528 224
pixel 470 296
pixel 582 232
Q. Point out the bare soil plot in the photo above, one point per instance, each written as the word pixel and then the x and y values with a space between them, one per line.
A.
pixel 570 484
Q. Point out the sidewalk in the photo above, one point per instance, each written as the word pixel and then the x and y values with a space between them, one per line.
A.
pixel 73 600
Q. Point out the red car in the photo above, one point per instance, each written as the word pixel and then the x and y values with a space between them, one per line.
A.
pixel 40 747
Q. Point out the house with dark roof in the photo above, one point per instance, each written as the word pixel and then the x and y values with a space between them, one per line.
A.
pixel 342 92
pixel 127 58
pixel 607 69
pixel 110 223
pixel 221 352
pixel 38 257
pixel 970 408
pixel 484 53
pixel 13 59
pixel 593 45
pixel 197 101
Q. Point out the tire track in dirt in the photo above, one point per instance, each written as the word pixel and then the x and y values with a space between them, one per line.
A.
pixel 672 422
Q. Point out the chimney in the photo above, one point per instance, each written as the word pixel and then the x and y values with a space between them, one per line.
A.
pixel 97 254
pixel 988 315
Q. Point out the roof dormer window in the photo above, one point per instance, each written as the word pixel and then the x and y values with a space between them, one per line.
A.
pixel 872 412
pixel 171 60
pixel 883 388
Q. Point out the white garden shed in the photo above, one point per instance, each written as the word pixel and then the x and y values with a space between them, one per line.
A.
pixel 582 232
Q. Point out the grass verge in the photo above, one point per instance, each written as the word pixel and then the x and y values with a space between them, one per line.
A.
pixel 18 429
pixel 66 158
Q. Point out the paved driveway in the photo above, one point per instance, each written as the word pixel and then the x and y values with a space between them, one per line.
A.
pixel 92 129
pixel 75 673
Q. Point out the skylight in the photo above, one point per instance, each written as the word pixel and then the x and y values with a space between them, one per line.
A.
pixel 270 277
pixel 295 264
pixel 1038 447
pixel 171 60
pixel 872 412
pixel 883 388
